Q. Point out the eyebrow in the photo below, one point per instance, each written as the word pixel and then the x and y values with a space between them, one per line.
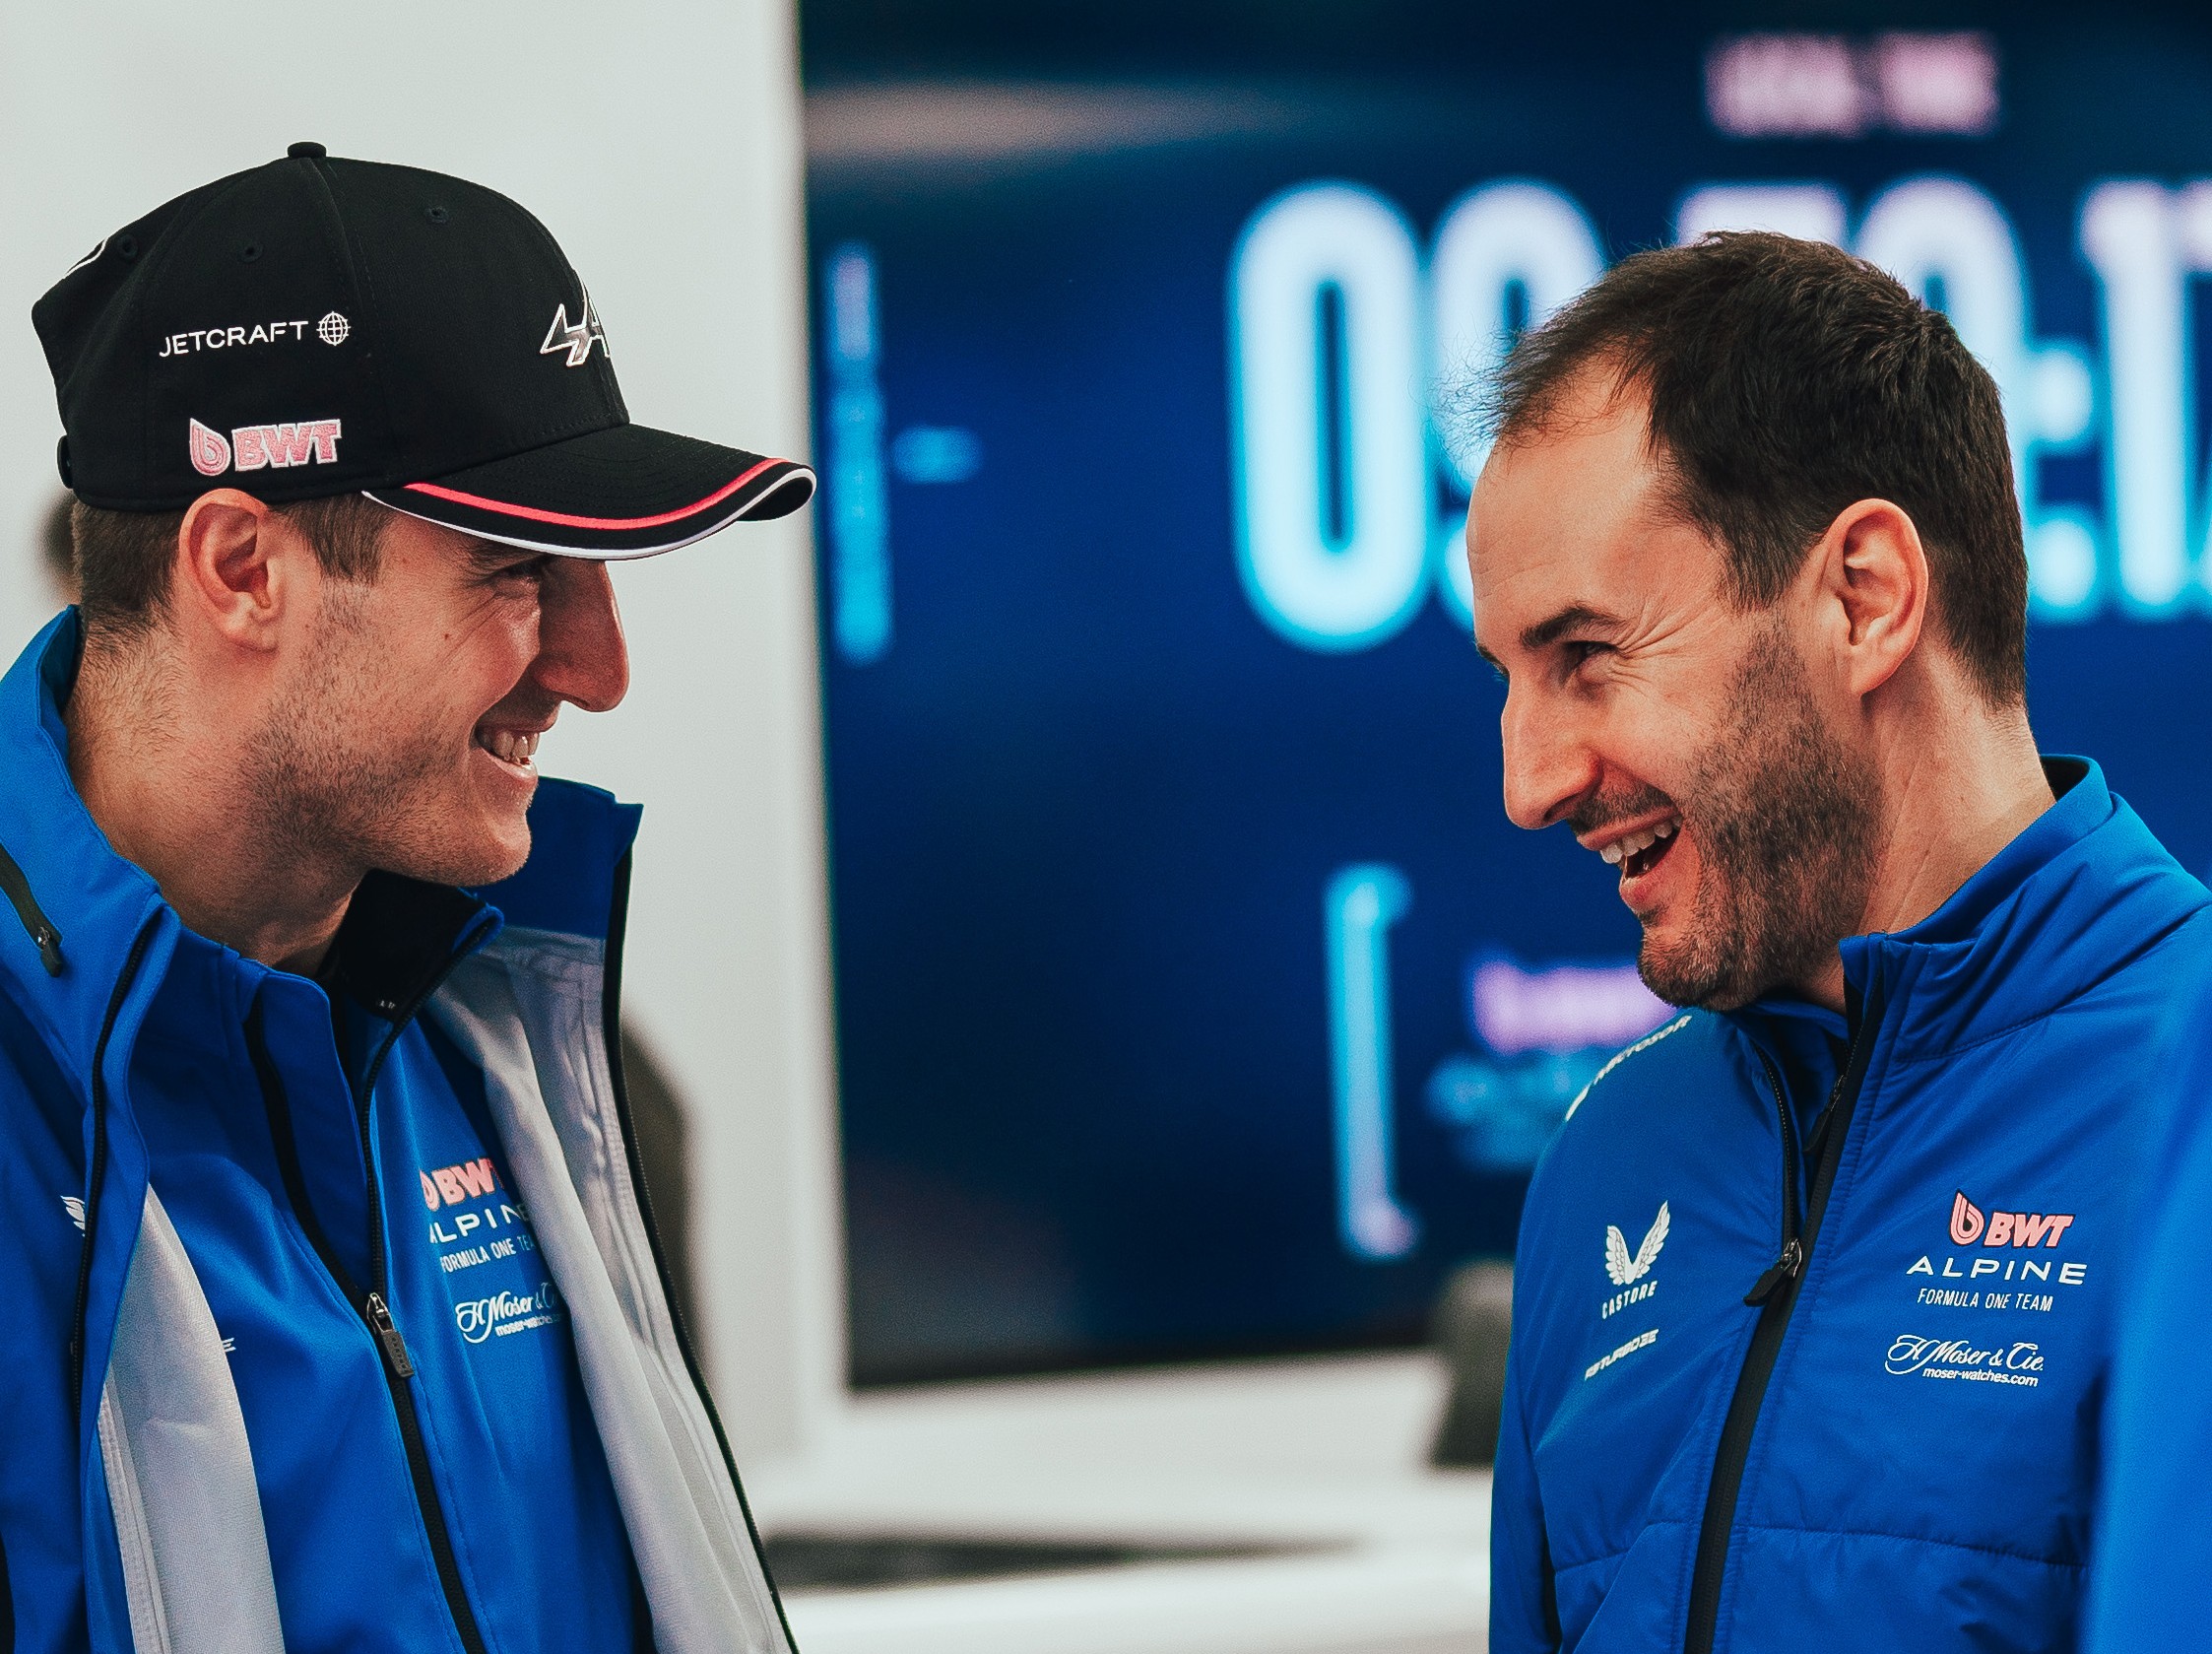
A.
pixel 1574 618
pixel 491 556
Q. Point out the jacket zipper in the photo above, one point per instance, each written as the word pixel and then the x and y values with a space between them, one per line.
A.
pixel 1775 1293
pixel 43 936
pixel 398 1368
pixel 98 1160
pixel 1793 1254
pixel 373 1305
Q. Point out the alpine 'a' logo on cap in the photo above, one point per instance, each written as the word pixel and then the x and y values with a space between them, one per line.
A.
pixel 255 448
pixel 575 338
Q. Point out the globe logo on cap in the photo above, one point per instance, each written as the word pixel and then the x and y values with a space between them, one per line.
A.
pixel 333 328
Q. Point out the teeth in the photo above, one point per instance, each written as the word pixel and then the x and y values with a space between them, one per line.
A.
pixel 511 746
pixel 1634 844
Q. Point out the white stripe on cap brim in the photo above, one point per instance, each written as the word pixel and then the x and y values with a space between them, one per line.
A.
pixel 696 528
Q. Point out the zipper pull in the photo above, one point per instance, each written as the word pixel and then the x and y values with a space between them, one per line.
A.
pixel 1784 1267
pixel 387 1333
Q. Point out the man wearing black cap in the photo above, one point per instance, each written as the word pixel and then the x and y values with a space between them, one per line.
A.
pixel 333 1315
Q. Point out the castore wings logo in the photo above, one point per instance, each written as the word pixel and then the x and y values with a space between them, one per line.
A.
pixel 1626 1270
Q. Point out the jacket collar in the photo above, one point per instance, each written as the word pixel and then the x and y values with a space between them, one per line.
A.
pixel 400 935
pixel 2078 894
pixel 97 901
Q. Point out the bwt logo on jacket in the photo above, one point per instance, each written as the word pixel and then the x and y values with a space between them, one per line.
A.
pixel 2005 1229
pixel 2012 1231
pixel 450 1185
pixel 256 448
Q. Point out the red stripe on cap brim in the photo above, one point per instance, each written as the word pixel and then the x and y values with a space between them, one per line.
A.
pixel 611 525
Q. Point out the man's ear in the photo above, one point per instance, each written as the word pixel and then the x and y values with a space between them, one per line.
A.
pixel 238 568
pixel 1874 570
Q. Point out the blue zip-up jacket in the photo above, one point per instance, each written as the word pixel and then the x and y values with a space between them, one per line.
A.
pixel 2151 1576
pixel 332 1317
pixel 1763 1399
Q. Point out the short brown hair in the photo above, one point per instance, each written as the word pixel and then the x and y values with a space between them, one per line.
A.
pixel 124 557
pixel 1787 380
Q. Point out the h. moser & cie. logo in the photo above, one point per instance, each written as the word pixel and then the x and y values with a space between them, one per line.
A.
pixel 478 1319
pixel 2004 1362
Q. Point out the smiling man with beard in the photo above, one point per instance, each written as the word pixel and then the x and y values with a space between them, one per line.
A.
pixel 334 1313
pixel 1749 556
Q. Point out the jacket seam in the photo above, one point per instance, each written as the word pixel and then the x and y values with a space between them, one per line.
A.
pixel 1559 1568
pixel 1918 1539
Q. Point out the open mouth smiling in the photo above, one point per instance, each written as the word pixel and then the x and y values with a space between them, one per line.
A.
pixel 514 747
pixel 1639 850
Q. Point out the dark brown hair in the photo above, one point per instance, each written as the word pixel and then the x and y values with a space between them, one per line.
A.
pixel 124 557
pixel 1787 380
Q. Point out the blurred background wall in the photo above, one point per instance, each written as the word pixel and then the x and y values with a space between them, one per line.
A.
pixel 661 146
pixel 1196 1000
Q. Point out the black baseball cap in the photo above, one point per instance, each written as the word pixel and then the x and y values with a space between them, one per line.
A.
pixel 320 326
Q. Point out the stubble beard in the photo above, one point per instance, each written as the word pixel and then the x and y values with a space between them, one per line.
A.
pixel 1786 821
pixel 342 779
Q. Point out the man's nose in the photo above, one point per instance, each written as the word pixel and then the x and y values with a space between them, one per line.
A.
pixel 1548 767
pixel 581 655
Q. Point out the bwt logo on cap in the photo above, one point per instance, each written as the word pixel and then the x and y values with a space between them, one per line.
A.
pixel 255 448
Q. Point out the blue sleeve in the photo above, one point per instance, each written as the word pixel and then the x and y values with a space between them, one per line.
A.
pixel 2151 1564
pixel 1523 1615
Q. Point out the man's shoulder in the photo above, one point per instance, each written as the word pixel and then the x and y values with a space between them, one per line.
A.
pixel 39 1097
pixel 2185 944
pixel 1671 1149
pixel 2154 965
pixel 1689 1090
pixel 41 1164
pixel 1688 1065
pixel 2133 902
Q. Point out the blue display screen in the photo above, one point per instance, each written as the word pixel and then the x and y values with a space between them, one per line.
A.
pixel 1194 994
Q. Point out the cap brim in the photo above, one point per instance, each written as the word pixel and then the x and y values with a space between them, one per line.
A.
pixel 628 491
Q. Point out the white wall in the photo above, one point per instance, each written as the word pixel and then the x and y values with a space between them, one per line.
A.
pixel 660 144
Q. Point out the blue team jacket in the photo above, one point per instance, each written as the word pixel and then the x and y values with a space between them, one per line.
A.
pixel 2151 1577
pixel 1894 1443
pixel 257 1393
